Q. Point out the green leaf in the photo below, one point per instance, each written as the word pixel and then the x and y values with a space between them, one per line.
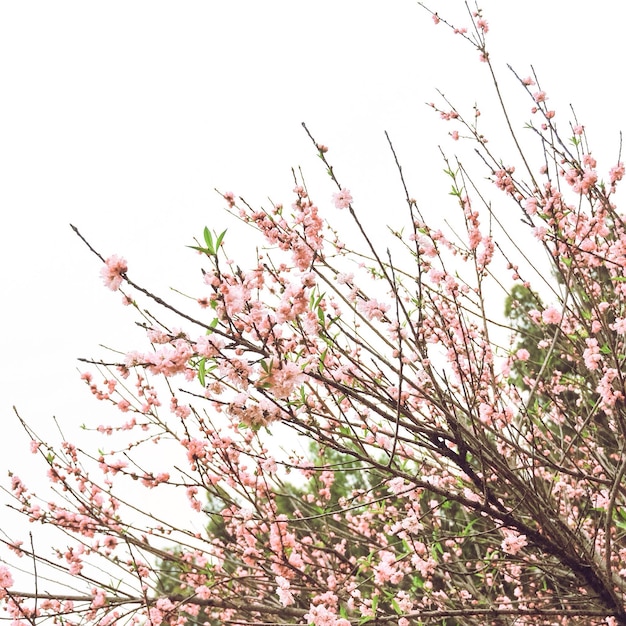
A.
pixel 375 602
pixel 202 372
pixel 200 249
pixel 320 315
pixel 208 238
pixel 322 358
pixel 220 238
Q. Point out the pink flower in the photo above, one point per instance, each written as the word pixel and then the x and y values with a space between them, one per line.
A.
pixel 482 24
pixel 592 355
pixel 513 542
pixel 522 354
pixel 551 316
pixel 616 173
pixel 396 485
pixel 373 309
pixel 283 592
pixel 112 272
pixel 589 160
pixel 6 580
pixel 235 299
pixel 531 206
pixel 342 199
pixel 229 196
pixel 619 326
pixel 284 379
pixel 99 598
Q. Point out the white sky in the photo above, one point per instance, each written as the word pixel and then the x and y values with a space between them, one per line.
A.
pixel 121 117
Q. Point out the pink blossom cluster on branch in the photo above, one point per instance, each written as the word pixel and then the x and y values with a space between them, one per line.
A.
pixel 346 433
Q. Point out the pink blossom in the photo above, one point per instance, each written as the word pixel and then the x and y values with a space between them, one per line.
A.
pixel 522 354
pixel 592 355
pixel 283 592
pixel 192 492
pixel 619 326
pixel 284 379
pixel 396 485
pixel 482 24
pixel 112 272
pixel 531 206
pixel 99 598
pixel 342 199
pixel 387 570
pixel 589 160
pixel 6 580
pixel 551 316
pixel 513 542
pixel 486 412
pixel 203 592
pixel 229 196
pixel 373 309
pixel 322 616
pixel 616 173
pixel 235 298
pixel 157 336
pixel 504 181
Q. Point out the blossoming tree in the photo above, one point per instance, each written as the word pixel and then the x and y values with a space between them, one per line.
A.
pixel 462 473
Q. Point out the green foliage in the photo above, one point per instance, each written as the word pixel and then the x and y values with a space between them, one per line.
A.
pixel 551 351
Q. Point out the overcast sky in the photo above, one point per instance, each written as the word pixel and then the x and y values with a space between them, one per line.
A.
pixel 122 118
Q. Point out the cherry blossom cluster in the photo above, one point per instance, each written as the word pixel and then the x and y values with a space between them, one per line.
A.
pixel 344 434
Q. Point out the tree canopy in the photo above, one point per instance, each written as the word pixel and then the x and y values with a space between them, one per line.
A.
pixel 351 432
